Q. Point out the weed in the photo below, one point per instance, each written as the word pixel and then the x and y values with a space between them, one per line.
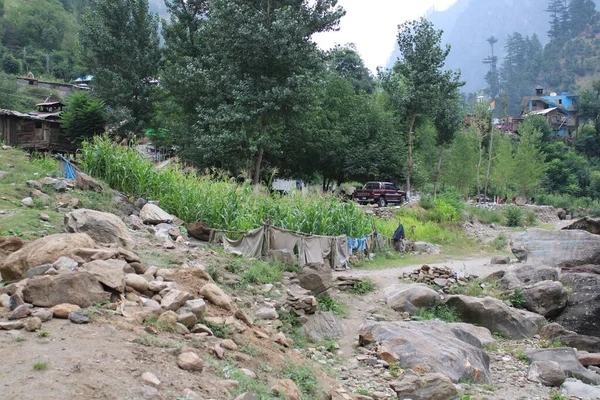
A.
pixel 303 376
pixel 362 287
pixel 41 366
pixel 530 218
pixel 548 344
pixel 18 340
pixel 293 329
pixel 395 368
pixel 465 397
pixel 557 396
pixel 214 272
pixel 331 345
pixel 362 392
pixel 160 325
pixel 235 267
pixel 93 315
pixel 514 216
pixel 441 311
pixel 219 330
pixel 246 384
pixel 473 288
pixel 260 273
pixel 13 232
pixel 500 336
pixel 521 356
pixel 42 334
pixel 251 350
pixel 489 347
pixel 326 303
pixel 516 298
pixel 500 242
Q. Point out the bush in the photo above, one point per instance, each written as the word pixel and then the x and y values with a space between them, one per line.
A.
pixel 440 311
pixel 514 216
pixel 10 64
pixel 362 287
pixel 302 376
pixel 444 211
pixel 261 273
pixel 326 303
pixel 500 242
pixel 517 299
pixel 487 216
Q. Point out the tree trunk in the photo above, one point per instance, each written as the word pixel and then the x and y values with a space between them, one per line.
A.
pixel 324 184
pixel 489 168
pixel 261 150
pixel 438 171
pixel 479 169
pixel 409 163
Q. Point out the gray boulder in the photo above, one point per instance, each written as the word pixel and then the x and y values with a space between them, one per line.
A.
pixel 322 325
pixel 500 260
pixel 153 214
pixel 424 387
pixel 525 275
pixel 442 347
pixel 103 227
pixel 556 332
pixel 585 224
pixel 497 316
pixel 317 278
pixel 547 298
pixel 557 248
pixel 582 313
pixel 581 390
pixel 80 288
pixel 567 359
pixel 547 373
pixel 410 298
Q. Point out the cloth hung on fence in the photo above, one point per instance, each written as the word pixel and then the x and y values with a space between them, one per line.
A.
pixel 280 239
pixel 315 250
pixel 341 252
pixel 250 245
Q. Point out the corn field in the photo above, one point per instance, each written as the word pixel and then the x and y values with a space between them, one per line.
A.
pixel 220 203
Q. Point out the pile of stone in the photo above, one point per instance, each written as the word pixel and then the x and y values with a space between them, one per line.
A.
pixel 301 302
pixel 443 277
pixel 346 282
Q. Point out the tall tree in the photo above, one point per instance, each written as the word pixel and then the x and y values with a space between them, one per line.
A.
pixel 590 106
pixel 257 60
pixel 346 61
pixel 503 164
pixel 492 77
pixel 529 160
pixel 420 81
pixel 120 47
pixel 559 20
pixel 582 13
pixel 448 121
pixel 462 162
pixel 84 118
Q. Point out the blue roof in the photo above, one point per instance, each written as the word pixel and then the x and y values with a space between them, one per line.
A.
pixel 86 78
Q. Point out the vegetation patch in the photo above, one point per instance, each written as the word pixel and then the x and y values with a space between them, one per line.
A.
pixel 441 311
pixel 327 303
pixel 41 366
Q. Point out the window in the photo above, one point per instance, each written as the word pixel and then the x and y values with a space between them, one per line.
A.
pixel 372 185
pixel 389 186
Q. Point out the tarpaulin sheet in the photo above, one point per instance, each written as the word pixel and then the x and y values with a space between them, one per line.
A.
pixel 250 245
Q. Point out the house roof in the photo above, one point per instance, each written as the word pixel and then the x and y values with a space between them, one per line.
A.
pixel 546 111
pixel 50 103
pixel 36 117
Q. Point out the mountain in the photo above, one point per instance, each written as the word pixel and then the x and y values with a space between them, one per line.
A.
pixel 468 23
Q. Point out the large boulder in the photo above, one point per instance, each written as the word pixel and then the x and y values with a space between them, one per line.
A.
pixel 582 313
pixel 10 244
pixel 557 333
pixel 585 224
pixel 43 251
pixel 525 275
pixel 154 215
pixel 317 278
pixel 567 359
pixel 103 227
pixel 442 347
pixel 410 298
pixel 424 387
pixel 496 316
pixel 199 230
pixel 580 390
pixel 80 288
pixel 323 325
pixel 547 373
pixel 557 248
pixel 547 298
pixel 86 182
pixel 108 272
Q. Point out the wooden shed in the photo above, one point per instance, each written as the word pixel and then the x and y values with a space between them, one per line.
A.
pixel 39 131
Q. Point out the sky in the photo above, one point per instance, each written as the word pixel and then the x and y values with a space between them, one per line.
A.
pixel 372 26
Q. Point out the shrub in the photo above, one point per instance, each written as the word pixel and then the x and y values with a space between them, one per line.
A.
pixel 530 218
pixel 514 216
pixel 261 273
pixel 517 299
pixel 441 311
pixel 302 376
pixel 362 287
pixel 41 366
pixel 500 242
pixel 326 303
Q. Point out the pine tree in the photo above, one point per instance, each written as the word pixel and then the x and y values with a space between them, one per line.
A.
pixel 582 13
pixel 491 77
pixel 559 20
pixel 530 165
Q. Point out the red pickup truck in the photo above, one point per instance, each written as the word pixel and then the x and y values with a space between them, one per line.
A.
pixel 380 193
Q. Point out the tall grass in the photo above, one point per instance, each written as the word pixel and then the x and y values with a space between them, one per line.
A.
pixel 219 203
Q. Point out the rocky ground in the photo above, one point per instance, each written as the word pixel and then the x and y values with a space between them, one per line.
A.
pixel 127 306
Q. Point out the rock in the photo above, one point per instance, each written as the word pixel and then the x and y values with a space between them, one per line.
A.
pixel 282 340
pixel 199 230
pixel 439 346
pixel 11 325
pixel 197 306
pixel 167 274
pixel 136 282
pixel 583 307
pixel 181 329
pixel 585 224
pixel 41 270
pixel 500 260
pixel 150 378
pixel 168 319
pixel 547 298
pixel 556 248
pixel 589 359
pixel 581 390
pixel 86 182
pixel 22 311
pixel 567 360
pixel 215 295
pixel 44 217
pixel 60 186
pixel 136 223
pixel 77 317
pixel 66 264
pixel 63 310
pixel 189 394
pixel 555 331
pixel 44 314
pixel 4 300
pixel 37 194
pixel 526 275
pixel 102 227
pixel 411 297
pixel 152 214
pixel 266 313
pixel 3 174
pixel 159 286
pixel 547 373
pixel 229 344
pixel 42 251
pixel 323 325
pixel 201 328
pixel 108 272
pixel 282 256
pixel 33 324
pixel 34 184
pixel 287 389
pixel 80 288
pixel 190 361
pixel 496 316
pixel 464 332
pixel 426 248
pixel 188 319
pixel 174 299
pixel 27 202
pixel 316 277
pixel 249 373
pixel 10 244
pixel 15 301
pixel 426 387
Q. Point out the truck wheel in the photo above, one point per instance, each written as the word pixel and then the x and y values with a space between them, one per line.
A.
pixel 403 200
pixel 382 202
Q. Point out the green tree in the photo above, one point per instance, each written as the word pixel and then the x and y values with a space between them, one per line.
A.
pixel 417 81
pixel 559 20
pixel 120 47
pixel 462 162
pixel 503 164
pixel 492 77
pixel 346 61
pixel 582 13
pixel 84 118
pixel 590 106
pixel 257 61
pixel 530 165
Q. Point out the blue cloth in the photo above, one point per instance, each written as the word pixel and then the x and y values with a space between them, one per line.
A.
pixel 357 244
pixel 69 170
